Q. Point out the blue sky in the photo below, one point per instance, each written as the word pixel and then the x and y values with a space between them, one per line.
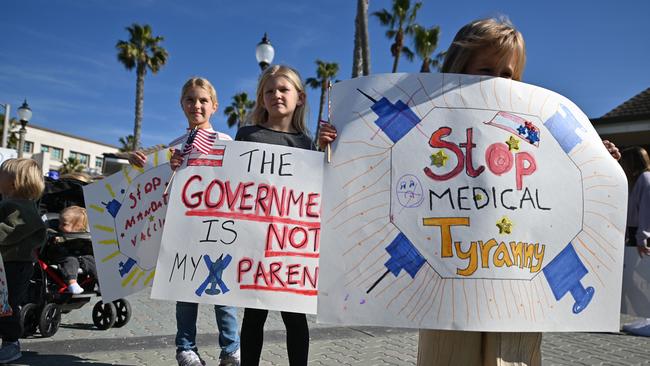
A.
pixel 61 55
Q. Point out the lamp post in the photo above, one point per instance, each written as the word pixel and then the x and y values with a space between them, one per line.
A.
pixel 5 126
pixel 264 52
pixel 24 113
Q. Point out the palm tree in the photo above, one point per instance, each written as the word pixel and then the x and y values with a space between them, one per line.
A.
pixel 143 52
pixel 238 109
pixel 71 165
pixel 324 73
pixel 361 56
pixel 400 22
pixel 127 143
pixel 425 42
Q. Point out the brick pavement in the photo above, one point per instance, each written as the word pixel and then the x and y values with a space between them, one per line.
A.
pixel 148 339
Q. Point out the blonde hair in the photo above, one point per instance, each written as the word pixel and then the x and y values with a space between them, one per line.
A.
pixel 26 177
pixel 260 115
pixel 200 83
pixel 80 176
pixel 76 216
pixel 486 34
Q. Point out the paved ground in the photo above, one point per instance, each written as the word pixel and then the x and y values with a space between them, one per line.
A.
pixel 148 339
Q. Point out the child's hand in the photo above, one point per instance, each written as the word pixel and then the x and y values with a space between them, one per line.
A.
pixel 326 134
pixel 612 149
pixel 176 160
pixel 137 158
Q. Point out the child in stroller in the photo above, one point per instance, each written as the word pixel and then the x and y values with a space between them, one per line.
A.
pixel 71 249
pixel 50 293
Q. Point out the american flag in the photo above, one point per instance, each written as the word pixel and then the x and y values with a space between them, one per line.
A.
pixel 214 157
pixel 201 140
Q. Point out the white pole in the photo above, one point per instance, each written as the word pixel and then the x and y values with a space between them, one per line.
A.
pixel 5 129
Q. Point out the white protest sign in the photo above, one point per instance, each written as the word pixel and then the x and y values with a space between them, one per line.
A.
pixel 126 212
pixel 7 154
pixel 243 229
pixel 470 203
pixel 636 284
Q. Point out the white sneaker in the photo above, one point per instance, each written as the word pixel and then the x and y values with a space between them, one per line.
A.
pixel 75 289
pixel 189 358
pixel 232 359
pixel 640 327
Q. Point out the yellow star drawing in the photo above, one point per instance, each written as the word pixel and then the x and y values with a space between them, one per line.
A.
pixel 513 143
pixel 504 225
pixel 478 197
pixel 151 218
pixel 439 159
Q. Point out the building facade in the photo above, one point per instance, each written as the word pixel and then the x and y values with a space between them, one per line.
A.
pixel 59 146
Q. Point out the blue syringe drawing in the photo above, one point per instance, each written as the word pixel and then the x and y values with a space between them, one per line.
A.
pixel 403 256
pixel 396 120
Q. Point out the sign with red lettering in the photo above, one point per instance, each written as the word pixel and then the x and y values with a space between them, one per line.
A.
pixel 470 203
pixel 244 231
pixel 126 212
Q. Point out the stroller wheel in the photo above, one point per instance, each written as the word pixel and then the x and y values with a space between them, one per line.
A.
pixel 104 315
pixel 29 316
pixel 123 315
pixel 50 320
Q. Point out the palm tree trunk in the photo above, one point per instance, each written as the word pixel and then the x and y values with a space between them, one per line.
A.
pixel 323 90
pixel 425 65
pixel 357 59
pixel 399 43
pixel 139 104
pixel 364 37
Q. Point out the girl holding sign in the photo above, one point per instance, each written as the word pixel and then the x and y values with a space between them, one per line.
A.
pixel 278 118
pixel 199 103
pixel 491 47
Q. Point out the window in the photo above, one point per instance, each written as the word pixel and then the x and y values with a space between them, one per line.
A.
pixel 82 158
pixel 99 162
pixel 28 147
pixel 55 152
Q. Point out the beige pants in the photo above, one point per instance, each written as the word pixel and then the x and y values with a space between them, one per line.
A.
pixel 460 348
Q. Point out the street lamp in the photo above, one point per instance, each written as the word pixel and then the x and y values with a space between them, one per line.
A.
pixel 264 52
pixel 24 114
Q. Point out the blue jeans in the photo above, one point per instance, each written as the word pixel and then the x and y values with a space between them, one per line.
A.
pixel 186 315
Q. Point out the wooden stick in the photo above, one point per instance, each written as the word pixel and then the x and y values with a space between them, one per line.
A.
pixel 170 182
pixel 328 148
pixel 190 140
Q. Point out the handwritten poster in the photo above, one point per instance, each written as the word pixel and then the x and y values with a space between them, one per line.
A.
pixel 243 229
pixel 126 213
pixel 5 309
pixel 471 203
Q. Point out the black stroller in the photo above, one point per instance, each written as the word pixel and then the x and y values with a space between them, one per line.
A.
pixel 48 295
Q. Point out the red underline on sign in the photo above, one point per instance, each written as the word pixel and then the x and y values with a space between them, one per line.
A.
pixel 279 289
pixel 253 217
pixel 274 253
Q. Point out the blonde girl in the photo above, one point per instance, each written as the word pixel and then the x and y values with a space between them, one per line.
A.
pixel 277 118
